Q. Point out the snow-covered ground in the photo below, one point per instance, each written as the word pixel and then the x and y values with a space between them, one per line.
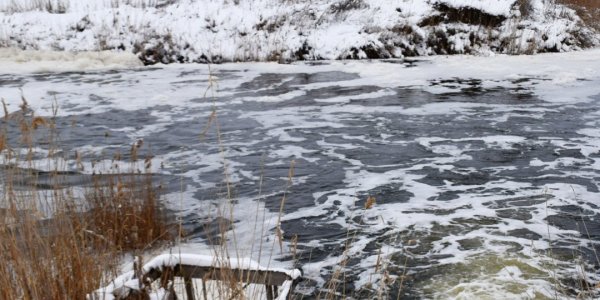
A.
pixel 250 30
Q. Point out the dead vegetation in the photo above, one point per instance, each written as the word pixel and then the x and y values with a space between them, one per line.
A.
pixel 447 14
pixel 57 242
pixel 588 10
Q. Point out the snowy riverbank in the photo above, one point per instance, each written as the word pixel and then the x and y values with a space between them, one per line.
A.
pixel 242 30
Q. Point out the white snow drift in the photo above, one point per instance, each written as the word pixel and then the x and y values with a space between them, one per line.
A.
pixel 249 30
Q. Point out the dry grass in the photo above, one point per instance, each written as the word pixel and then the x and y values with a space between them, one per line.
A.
pixel 588 4
pixel 588 10
pixel 55 244
pixel 62 6
pixel 36 265
pixel 126 213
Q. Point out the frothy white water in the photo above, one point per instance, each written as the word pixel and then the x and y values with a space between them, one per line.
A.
pixel 443 163
pixel 42 61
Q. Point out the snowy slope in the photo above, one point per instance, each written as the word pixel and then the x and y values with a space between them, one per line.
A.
pixel 246 30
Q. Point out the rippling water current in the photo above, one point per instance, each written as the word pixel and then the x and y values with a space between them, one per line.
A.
pixel 481 190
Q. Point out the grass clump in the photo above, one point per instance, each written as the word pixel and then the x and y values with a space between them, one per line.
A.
pixel 126 213
pixel 58 242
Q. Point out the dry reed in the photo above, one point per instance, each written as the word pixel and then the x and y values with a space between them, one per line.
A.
pixel 53 243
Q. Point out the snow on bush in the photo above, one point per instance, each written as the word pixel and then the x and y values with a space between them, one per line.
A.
pixel 258 30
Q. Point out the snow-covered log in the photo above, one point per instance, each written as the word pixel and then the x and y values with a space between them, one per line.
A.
pixel 135 283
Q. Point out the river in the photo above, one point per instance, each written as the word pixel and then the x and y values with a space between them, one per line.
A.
pixel 484 175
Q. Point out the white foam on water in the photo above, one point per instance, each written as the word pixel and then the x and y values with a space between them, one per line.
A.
pixel 16 61
pixel 277 98
pixel 154 90
pixel 293 152
pixel 366 96
pixel 291 127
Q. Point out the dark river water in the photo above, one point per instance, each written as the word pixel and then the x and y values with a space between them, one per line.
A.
pixel 481 191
